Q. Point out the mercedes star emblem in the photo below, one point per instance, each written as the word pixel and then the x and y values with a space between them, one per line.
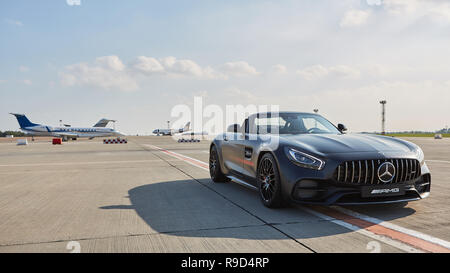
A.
pixel 386 172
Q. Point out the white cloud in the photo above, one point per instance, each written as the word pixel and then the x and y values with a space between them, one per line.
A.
pixel 354 18
pixel 279 69
pixel 27 82
pixel 318 71
pixel 344 71
pixel 110 63
pixel 23 68
pixel 172 66
pixel 107 72
pixel 435 10
pixel 313 72
pixel 238 69
pixel 14 22
pixel 184 67
pixel 181 67
pixel 147 65
pixel 402 6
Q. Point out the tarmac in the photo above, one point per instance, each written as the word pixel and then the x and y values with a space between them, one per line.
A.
pixel 155 195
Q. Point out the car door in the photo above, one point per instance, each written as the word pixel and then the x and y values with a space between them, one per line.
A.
pixel 262 131
pixel 250 146
pixel 232 151
pixel 249 161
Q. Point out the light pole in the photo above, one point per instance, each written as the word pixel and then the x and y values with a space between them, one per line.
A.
pixel 316 111
pixel 383 113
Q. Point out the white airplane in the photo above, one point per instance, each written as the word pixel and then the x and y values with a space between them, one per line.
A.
pixel 65 132
pixel 169 132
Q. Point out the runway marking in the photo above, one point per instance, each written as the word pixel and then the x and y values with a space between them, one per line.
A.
pixel 440 161
pixel 77 163
pixel 381 230
pixel 50 143
pixel 411 232
pixel 190 160
pixel 346 224
pixel 394 235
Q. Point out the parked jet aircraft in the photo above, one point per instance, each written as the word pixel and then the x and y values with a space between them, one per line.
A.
pixel 169 132
pixel 33 129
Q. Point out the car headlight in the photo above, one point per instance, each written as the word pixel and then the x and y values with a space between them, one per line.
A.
pixel 305 160
pixel 420 156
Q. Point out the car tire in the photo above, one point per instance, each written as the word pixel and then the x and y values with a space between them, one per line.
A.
pixel 269 183
pixel 214 167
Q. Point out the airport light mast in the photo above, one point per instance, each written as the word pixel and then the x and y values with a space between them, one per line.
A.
pixel 383 113
pixel 316 111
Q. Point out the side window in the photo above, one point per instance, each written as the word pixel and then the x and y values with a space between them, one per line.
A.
pixel 309 123
pixel 269 125
pixel 244 127
pixel 313 123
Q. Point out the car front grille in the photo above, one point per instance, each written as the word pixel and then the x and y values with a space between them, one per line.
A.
pixel 366 171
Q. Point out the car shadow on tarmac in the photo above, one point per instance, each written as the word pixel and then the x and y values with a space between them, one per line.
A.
pixel 203 208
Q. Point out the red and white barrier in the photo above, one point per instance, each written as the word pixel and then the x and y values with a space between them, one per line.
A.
pixel 115 141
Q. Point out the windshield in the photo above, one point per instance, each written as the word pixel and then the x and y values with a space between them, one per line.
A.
pixel 292 123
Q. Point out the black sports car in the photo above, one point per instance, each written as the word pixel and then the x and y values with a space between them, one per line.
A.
pixel 304 158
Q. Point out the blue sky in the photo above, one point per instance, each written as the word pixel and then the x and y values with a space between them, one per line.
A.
pixel 134 60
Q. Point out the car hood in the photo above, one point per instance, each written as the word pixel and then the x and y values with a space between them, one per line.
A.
pixel 348 143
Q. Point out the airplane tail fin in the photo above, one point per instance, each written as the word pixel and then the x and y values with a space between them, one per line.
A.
pixel 23 120
pixel 186 127
pixel 103 122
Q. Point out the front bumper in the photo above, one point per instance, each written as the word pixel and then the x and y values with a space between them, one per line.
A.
pixel 323 192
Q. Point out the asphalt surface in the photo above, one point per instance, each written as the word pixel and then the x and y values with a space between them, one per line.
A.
pixel 154 195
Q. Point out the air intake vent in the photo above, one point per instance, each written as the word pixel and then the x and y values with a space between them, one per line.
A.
pixel 366 171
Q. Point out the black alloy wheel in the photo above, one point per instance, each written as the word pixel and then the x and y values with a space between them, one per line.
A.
pixel 269 182
pixel 214 167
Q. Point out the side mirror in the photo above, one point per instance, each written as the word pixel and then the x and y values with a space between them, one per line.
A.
pixel 341 127
pixel 234 128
